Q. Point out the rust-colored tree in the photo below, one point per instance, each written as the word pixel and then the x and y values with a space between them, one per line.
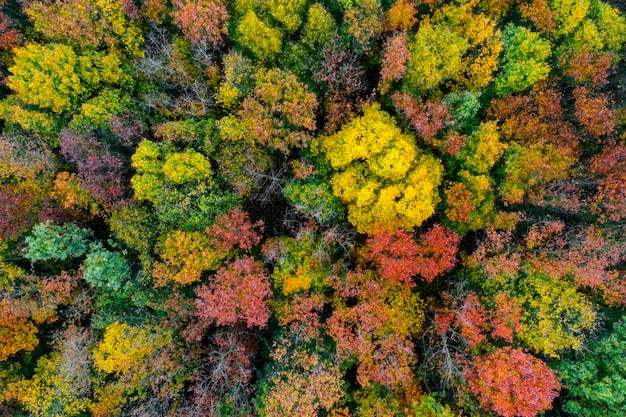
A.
pixel 512 383
pixel 238 293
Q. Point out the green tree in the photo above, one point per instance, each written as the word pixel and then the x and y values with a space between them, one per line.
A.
pixel 597 382
pixel 105 269
pixel 50 241
pixel 525 60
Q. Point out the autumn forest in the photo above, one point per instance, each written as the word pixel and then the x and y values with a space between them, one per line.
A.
pixel 312 208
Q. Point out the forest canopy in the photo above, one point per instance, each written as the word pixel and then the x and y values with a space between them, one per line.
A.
pixel 312 208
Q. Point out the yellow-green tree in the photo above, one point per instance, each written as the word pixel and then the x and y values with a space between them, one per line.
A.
pixel 385 180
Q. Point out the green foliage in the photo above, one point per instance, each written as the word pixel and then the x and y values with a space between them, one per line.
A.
pixel 525 60
pixel 429 406
pixel 597 382
pixel 105 269
pixel 314 197
pixel 50 241
pixel 179 184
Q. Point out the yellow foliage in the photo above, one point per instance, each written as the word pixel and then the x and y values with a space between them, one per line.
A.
pixel 125 348
pixel 264 41
pixel 381 176
pixel 187 166
pixel 50 392
pixel 483 149
pixel 186 256
pixel 70 194
pixel 556 317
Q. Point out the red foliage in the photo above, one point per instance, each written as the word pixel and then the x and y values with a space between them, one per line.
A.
pixel 99 171
pixel 395 255
pixel 375 330
pixel 203 22
pixel 237 294
pixel 127 127
pixel 586 65
pixel 610 170
pixel 129 8
pixel 396 56
pixel 476 322
pixel 512 383
pixel 303 315
pixel 9 37
pixel 436 252
pixel 593 113
pixel 235 229
pixel 428 119
pixel 18 210
pixel 340 69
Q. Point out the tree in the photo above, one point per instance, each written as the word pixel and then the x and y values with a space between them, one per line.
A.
pixel 95 23
pixel 288 13
pixel 262 40
pixel 596 382
pixel 236 294
pixel 383 178
pixel 61 385
pixel 394 63
pixel 482 149
pixel 187 199
pixel 457 49
pixel 299 383
pixel 100 171
pixel 28 301
pixel 105 269
pixel 436 57
pixel 25 158
pixel 608 169
pixel 375 328
pixel 186 255
pixel 524 62
pixel 593 113
pixel 301 263
pixel 55 78
pixel 203 23
pixel 511 383
pixel 51 241
pixel 280 113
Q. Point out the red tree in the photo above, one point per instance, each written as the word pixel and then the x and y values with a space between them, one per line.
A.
pixel 593 113
pixel 203 22
pixel 237 294
pixel 235 229
pixel 428 118
pixel 436 252
pixel 512 383
pixel 396 56
pixel 395 255
pixel 610 170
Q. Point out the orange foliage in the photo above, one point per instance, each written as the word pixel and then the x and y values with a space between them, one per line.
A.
pixel 512 383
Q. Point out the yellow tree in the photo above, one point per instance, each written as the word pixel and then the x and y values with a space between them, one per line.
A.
pixel 385 180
